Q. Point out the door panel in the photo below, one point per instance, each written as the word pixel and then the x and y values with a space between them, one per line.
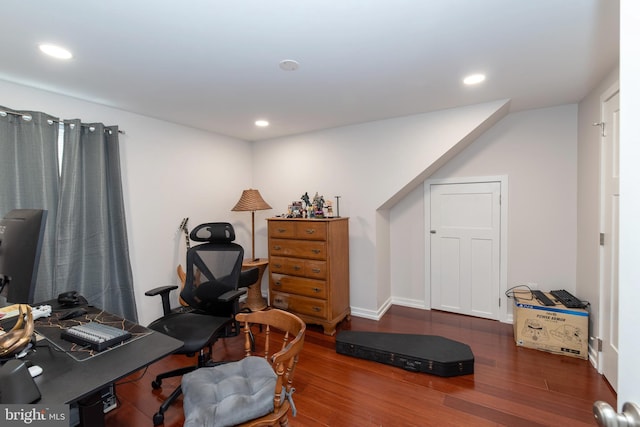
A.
pixel 465 248
pixel 449 263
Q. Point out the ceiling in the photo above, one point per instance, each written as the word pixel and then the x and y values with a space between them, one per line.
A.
pixel 214 64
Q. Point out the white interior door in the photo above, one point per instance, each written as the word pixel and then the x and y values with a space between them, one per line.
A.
pixel 609 250
pixel 465 248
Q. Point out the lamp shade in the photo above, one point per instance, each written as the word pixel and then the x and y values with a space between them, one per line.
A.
pixel 251 200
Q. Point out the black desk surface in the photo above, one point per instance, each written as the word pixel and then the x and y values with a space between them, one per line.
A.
pixel 65 380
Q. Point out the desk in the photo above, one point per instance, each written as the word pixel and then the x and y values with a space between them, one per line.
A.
pixel 65 380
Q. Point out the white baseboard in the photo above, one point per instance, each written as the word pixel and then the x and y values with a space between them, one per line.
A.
pixel 411 303
pixel 371 314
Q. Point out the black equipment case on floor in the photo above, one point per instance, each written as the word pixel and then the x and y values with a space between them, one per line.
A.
pixel 420 353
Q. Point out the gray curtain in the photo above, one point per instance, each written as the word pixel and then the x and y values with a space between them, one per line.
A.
pixel 29 178
pixel 85 246
pixel 92 249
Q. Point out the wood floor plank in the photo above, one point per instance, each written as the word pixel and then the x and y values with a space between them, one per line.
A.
pixel 510 386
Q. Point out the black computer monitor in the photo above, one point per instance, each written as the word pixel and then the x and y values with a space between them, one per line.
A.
pixel 21 237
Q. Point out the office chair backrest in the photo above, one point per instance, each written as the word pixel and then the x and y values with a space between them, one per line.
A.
pixel 213 267
pixel 214 232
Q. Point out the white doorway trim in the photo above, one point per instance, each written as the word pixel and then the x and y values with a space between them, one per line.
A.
pixel 608 295
pixel 503 312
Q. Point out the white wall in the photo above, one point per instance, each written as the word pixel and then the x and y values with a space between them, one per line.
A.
pixel 367 165
pixel 537 151
pixel 408 251
pixel 169 172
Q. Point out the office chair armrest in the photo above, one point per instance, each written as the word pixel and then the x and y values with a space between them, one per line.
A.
pixel 160 290
pixel 248 277
pixel 231 295
pixel 163 291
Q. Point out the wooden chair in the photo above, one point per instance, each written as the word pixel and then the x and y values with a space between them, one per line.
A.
pixel 277 346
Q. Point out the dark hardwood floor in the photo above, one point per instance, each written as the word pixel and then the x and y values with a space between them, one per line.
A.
pixel 510 386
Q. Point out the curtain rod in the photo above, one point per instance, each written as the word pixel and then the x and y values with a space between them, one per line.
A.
pixel 27 117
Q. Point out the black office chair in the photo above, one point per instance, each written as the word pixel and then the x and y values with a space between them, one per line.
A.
pixel 214 282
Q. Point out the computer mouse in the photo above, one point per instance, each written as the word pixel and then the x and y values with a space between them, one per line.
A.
pixel 71 314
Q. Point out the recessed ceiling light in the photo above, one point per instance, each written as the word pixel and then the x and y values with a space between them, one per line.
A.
pixel 289 65
pixel 55 51
pixel 262 123
pixel 474 79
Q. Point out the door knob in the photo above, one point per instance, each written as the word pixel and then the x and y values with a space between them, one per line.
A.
pixel 606 416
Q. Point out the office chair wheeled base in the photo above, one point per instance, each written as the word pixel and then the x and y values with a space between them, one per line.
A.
pixel 157 383
pixel 204 360
pixel 158 417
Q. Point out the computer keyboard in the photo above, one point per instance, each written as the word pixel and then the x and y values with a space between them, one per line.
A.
pixel 567 299
pixel 542 297
pixel 95 335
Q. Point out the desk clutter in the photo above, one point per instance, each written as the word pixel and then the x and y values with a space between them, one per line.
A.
pixel 86 331
pixel 73 326
pixel 76 377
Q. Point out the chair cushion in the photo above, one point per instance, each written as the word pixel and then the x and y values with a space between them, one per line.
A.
pixel 228 394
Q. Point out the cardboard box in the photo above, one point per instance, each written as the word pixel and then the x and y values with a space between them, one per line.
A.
pixel 555 329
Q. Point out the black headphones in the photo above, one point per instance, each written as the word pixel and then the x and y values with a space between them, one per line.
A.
pixel 19 336
pixel 69 299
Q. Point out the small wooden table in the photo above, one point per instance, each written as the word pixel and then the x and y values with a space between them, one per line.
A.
pixel 255 301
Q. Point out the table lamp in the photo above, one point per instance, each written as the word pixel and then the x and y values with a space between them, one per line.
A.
pixel 251 200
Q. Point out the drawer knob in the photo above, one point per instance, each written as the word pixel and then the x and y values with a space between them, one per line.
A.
pixel 277 265
pixel 315 290
pixel 278 283
pixel 277 248
pixel 282 230
pixel 311 230
pixel 315 251
pixel 316 270
pixel 297 268
pixel 317 309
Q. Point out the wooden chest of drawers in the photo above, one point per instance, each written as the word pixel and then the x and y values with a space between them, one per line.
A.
pixel 309 269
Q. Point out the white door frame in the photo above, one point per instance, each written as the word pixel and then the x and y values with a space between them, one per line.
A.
pixel 603 286
pixel 503 312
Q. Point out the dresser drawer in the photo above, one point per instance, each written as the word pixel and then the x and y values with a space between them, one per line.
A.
pixel 311 230
pixel 298 248
pixel 298 229
pixel 282 229
pixel 299 304
pixel 299 285
pixel 299 267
